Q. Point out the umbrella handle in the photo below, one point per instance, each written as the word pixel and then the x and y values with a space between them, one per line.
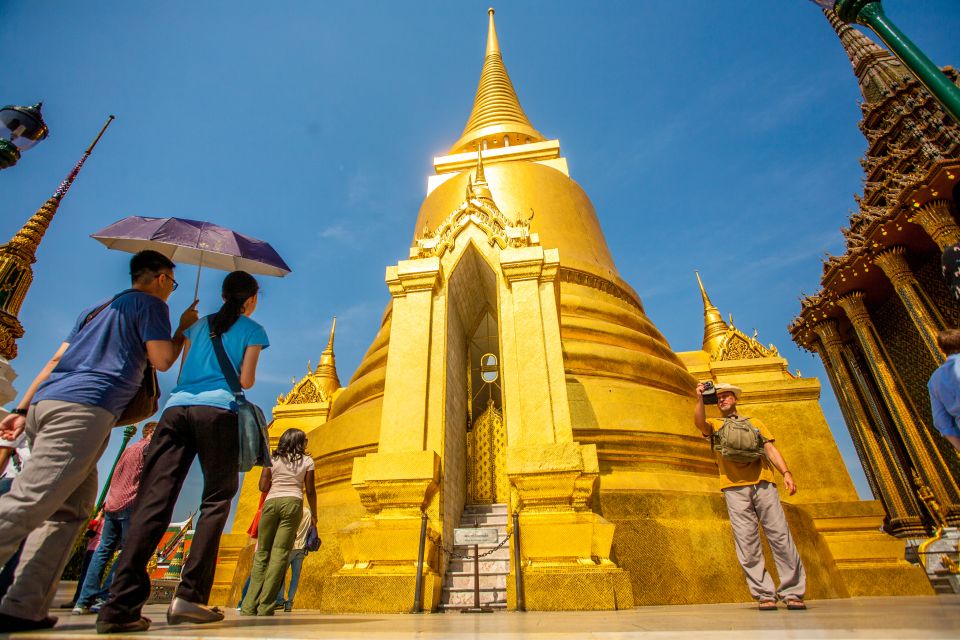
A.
pixel 196 288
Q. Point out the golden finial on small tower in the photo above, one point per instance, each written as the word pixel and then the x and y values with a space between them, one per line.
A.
pixel 327 369
pixel 714 328
pixel 480 188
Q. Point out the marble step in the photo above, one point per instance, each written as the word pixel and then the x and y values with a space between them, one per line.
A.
pixel 464 597
pixel 487 565
pixel 487 581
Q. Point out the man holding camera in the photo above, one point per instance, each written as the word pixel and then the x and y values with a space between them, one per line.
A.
pixel 746 459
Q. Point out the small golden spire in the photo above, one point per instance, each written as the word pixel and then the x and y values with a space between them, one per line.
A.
pixel 480 188
pixel 327 368
pixel 714 328
pixel 496 113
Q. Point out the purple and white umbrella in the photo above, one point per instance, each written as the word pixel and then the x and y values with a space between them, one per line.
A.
pixel 194 242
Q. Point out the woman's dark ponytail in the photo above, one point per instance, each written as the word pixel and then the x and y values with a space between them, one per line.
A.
pixel 238 287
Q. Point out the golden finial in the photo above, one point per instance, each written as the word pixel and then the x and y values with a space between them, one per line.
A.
pixel 496 112
pixel 714 328
pixel 493 45
pixel 327 377
pixel 17 256
pixel 480 188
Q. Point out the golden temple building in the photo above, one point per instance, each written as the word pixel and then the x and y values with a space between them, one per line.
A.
pixel 516 372
pixel 875 319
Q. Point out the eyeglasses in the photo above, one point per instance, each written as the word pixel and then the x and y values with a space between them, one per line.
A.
pixel 175 283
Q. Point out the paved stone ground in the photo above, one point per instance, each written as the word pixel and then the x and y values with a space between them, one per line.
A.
pixel 896 618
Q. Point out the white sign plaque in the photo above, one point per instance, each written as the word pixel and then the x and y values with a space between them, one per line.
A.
pixel 464 537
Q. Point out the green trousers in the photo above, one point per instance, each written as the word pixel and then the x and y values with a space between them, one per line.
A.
pixel 276 534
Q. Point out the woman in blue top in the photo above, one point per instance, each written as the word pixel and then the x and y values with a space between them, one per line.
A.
pixel 199 420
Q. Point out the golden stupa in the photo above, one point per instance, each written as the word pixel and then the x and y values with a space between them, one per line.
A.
pixel 585 432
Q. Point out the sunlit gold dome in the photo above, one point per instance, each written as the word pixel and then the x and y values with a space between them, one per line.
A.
pixel 563 214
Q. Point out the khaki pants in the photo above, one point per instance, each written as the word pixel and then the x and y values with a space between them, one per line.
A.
pixel 50 500
pixel 760 504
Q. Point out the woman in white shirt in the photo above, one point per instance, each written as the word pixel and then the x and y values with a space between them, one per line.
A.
pixel 291 476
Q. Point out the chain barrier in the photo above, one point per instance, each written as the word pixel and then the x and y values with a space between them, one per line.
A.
pixel 450 552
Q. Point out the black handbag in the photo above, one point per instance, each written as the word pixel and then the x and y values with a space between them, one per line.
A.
pixel 146 400
pixel 251 423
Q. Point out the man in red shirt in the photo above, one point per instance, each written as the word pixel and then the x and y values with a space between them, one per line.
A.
pixel 116 521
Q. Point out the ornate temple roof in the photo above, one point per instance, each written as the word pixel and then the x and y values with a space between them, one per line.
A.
pixel 724 341
pixel 318 385
pixel 496 114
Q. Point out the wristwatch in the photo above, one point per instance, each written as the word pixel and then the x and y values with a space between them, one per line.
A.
pixel 19 411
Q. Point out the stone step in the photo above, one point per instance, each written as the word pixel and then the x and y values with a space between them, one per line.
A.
pixel 499 507
pixel 464 597
pixel 494 565
pixel 496 606
pixel 487 581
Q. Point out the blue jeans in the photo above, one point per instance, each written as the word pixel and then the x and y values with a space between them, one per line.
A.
pixel 296 563
pixel 115 527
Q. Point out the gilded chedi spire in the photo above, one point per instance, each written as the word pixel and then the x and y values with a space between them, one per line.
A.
pixel 714 328
pixel 497 119
pixel 877 70
pixel 16 256
pixel 327 368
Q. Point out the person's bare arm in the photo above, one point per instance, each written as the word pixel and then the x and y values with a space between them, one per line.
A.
pixel 955 440
pixel 12 425
pixel 310 489
pixel 776 459
pixel 700 414
pixel 266 479
pixel 163 353
pixel 5 454
pixel 248 367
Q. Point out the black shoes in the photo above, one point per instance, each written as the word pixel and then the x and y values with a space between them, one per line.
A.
pixel 183 611
pixel 123 627
pixel 10 624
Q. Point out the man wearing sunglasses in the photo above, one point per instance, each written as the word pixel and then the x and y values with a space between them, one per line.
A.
pixel 67 413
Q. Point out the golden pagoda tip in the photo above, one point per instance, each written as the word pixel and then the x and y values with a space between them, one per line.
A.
pixel 493 44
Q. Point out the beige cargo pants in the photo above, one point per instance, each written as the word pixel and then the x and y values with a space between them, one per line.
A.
pixel 749 507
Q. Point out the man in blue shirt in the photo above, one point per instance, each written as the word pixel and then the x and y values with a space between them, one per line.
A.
pixel 67 413
pixel 944 387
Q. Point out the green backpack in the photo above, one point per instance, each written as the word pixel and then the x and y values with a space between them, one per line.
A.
pixel 739 440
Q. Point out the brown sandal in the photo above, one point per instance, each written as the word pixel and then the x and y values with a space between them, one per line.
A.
pixel 795 604
pixel 768 605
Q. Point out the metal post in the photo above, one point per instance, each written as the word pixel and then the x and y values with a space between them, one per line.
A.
pixel 517 570
pixel 128 433
pixel 418 591
pixel 870 13
pixel 476 572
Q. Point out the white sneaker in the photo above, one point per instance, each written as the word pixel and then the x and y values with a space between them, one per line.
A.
pixel 81 611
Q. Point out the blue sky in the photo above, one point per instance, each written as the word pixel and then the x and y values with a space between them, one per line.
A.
pixel 719 136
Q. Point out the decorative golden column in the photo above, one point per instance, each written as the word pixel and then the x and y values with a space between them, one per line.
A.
pixel 892 486
pixel 920 446
pixel 17 256
pixel 925 318
pixel 938 222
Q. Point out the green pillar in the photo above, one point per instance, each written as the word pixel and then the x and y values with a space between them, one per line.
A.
pixel 870 14
pixel 128 432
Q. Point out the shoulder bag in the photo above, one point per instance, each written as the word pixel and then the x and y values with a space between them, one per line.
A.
pixel 251 423
pixel 146 400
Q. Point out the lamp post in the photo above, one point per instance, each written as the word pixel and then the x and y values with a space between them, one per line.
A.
pixel 20 129
pixel 128 433
pixel 870 13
